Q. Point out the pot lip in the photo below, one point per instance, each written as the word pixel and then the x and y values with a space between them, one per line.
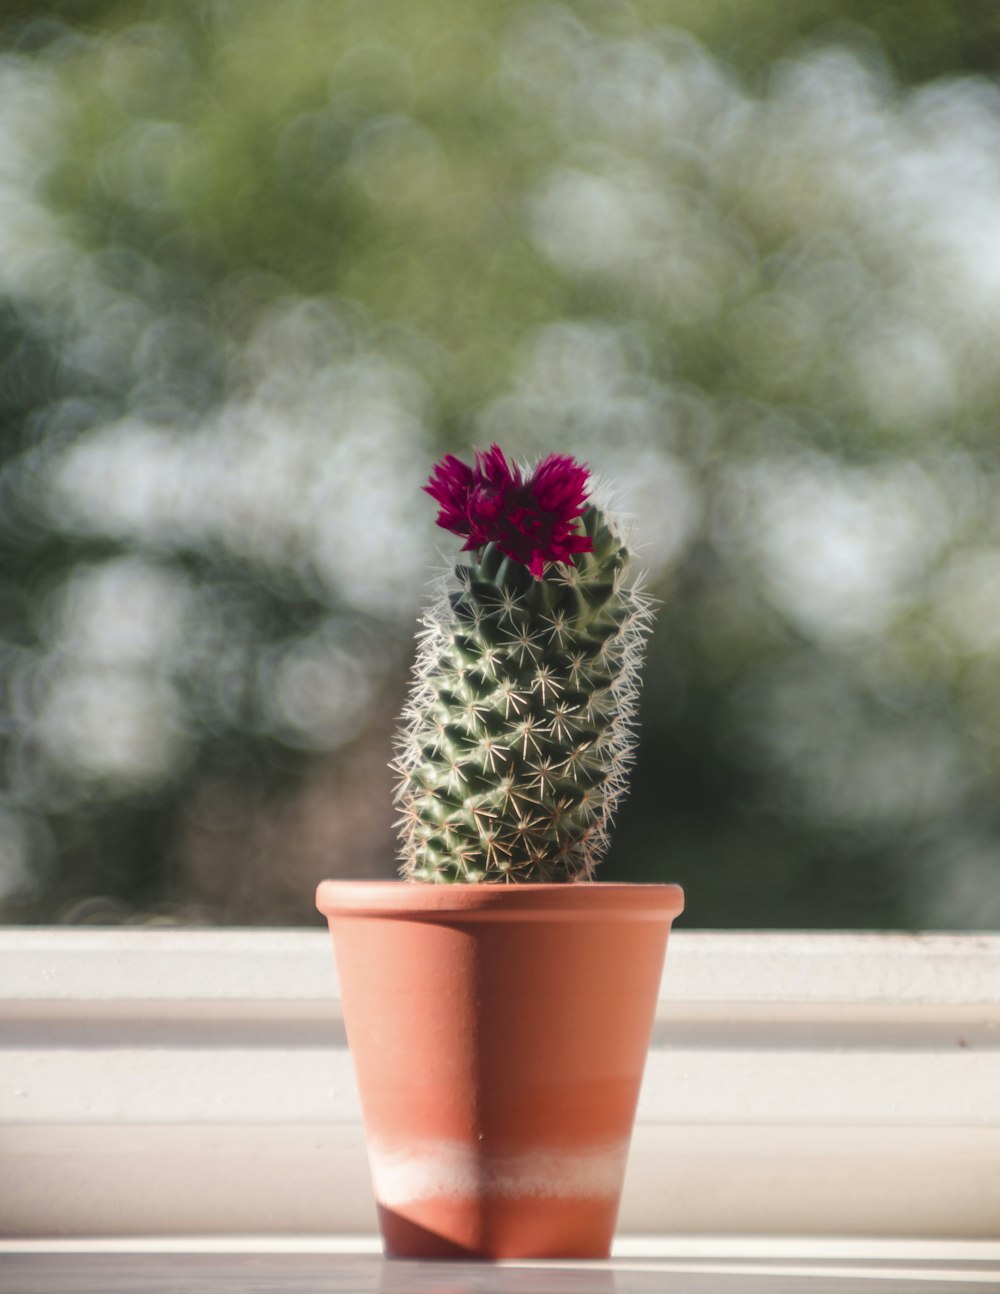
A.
pixel 572 900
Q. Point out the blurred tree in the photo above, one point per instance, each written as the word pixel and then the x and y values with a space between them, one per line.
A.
pixel 260 264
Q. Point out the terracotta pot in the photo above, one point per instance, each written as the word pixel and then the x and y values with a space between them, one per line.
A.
pixel 499 1035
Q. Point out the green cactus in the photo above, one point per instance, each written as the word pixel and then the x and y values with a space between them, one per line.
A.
pixel 518 733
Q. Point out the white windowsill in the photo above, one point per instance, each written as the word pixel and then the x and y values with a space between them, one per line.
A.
pixel 641 1265
pixel 165 1083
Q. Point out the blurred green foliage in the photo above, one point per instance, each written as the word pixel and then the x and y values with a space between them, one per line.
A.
pixel 260 264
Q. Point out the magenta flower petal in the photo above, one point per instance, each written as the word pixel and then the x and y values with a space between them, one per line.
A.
pixel 451 484
pixel 560 486
pixel 493 470
pixel 537 564
pixel 533 521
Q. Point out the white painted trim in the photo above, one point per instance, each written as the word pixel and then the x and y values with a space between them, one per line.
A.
pixel 344 1265
pixel 784 1249
pixel 293 968
pixel 160 1081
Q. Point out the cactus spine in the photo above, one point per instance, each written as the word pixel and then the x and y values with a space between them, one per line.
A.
pixel 519 730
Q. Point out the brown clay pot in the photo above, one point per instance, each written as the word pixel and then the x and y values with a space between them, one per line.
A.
pixel 499 1035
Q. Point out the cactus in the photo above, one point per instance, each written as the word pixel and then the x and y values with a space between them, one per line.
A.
pixel 519 730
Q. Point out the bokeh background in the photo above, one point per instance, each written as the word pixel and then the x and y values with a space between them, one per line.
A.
pixel 261 263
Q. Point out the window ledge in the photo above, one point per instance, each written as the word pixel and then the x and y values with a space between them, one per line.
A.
pixel 164 1082
pixel 642 1265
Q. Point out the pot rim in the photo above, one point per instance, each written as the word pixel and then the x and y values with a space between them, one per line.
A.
pixel 580 900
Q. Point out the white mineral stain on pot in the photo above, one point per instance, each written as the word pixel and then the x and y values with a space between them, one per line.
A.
pixel 434 1169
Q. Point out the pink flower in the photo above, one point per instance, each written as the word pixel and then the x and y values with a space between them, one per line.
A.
pixel 451 483
pixel 533 521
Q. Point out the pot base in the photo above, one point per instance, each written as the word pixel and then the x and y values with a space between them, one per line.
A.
pixel 527 1228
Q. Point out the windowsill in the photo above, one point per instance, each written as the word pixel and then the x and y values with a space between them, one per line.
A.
pixel 640 1265
pixel 164 1082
